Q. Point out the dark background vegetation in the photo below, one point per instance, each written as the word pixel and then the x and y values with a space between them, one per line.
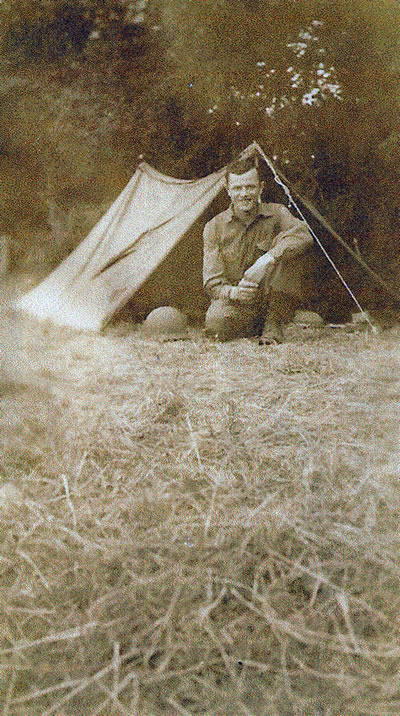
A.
pixel 197 527
pixel 90 87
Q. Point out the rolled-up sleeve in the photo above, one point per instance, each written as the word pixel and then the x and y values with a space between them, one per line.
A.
pixel 293 236
pixel 215 282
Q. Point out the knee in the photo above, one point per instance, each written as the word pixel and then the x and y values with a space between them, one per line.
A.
pixel 217 318
pixel 226 321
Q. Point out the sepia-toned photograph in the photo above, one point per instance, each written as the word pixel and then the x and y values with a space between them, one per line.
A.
pixel 200 367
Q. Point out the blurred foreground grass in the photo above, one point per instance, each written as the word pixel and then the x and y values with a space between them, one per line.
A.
pixel 194 528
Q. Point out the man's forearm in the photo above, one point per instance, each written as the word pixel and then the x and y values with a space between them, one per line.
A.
pixel 258 270
pixel 294 241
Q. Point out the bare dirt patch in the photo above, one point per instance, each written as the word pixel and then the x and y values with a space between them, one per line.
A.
pixel 198 528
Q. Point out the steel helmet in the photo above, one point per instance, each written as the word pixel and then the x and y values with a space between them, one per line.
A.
pixel 308 318
pixel 166 324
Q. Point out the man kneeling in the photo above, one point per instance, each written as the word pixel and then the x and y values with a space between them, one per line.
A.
pixel 255 261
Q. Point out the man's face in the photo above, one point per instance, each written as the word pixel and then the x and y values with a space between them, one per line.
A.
pixel 244 190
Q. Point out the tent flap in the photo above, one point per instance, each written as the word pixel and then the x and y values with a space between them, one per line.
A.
pixel 153 216
pixel 122 251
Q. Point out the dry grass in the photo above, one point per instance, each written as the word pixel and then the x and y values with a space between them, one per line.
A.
pixel 195 528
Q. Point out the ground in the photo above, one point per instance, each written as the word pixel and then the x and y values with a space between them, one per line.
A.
pixel 198 528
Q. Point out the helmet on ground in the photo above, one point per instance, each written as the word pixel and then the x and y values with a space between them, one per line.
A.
pixel 166 324
pixel 308 319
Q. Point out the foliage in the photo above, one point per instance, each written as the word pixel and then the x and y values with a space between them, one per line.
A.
pixel 188 84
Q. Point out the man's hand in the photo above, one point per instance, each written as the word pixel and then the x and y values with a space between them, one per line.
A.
pixel 244 292
pixel 257 271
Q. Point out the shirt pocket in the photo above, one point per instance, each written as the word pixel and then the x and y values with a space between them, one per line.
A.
pixel 232 244
pixel 264 237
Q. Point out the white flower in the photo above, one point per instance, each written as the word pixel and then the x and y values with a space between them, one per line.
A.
pixel 311 98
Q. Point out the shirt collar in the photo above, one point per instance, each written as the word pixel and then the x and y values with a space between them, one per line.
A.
pixel 263 210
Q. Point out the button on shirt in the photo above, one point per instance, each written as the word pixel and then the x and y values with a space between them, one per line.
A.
pixel 231 246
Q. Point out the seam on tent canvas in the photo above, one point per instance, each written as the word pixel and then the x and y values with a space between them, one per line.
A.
pixel 113 224
pixel 129 250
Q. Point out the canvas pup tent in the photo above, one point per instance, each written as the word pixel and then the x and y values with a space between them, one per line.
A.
pixel 143 248
pixel 147 250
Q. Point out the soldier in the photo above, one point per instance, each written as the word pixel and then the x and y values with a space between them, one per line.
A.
pixel 255 266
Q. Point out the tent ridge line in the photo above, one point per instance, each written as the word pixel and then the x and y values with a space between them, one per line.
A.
pixel 158 214
pixel 328 226
pixel 166 179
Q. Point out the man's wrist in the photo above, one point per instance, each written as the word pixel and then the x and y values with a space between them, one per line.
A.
pixel 234 293
pixel 245 292
pixel 225 292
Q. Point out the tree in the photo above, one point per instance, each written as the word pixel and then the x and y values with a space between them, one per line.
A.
pixel 317 84
pixel 187 84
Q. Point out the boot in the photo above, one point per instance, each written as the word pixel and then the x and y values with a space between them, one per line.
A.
pixel 272 335
pixel 282 307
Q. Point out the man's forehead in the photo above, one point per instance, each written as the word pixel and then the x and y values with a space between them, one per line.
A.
pixel 250 177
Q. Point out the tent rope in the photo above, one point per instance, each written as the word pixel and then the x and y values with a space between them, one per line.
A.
pixel 314 235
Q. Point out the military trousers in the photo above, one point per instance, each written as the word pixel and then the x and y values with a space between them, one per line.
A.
pixel 227 319
pixel 276 301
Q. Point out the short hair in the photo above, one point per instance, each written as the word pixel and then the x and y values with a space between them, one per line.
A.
pixel 242 166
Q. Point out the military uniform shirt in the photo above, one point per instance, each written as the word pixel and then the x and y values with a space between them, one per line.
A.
pixel 231 246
